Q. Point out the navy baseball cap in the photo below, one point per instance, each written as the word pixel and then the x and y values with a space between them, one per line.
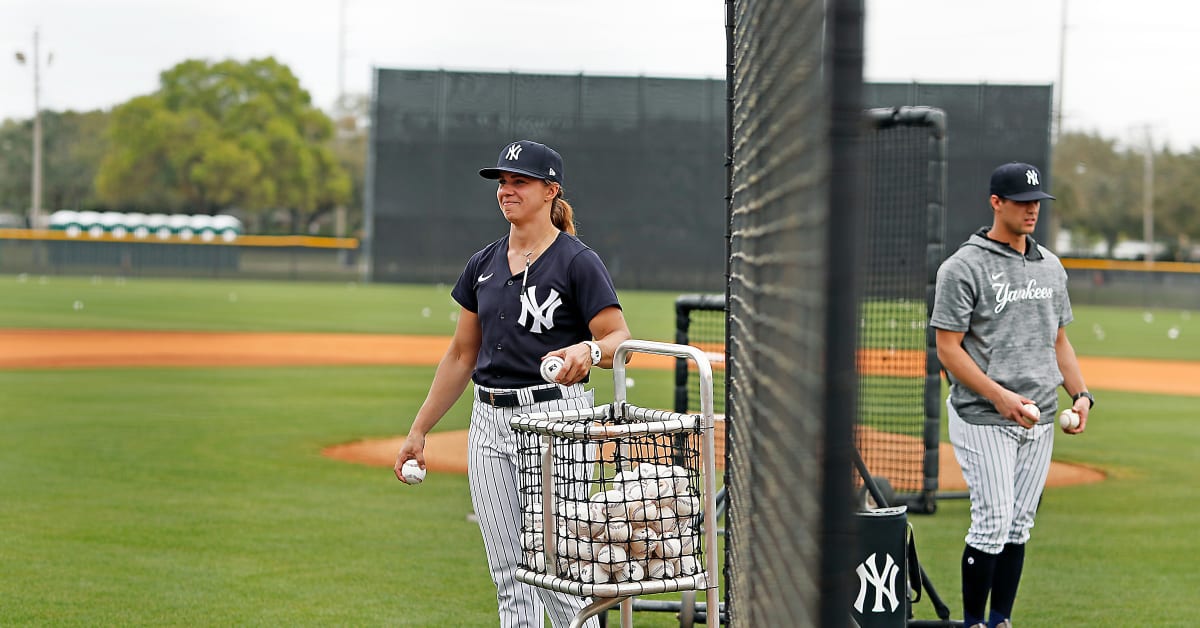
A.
pixel 528 158
pixel 1018 182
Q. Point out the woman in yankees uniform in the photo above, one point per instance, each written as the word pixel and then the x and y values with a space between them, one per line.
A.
pixel 1000 312
pixel 534 293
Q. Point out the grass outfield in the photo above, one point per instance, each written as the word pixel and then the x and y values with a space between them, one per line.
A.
pixel 199 496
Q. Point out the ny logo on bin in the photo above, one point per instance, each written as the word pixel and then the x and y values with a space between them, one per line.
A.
pixel 883 581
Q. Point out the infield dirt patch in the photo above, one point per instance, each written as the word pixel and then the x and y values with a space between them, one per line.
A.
pixel 40 348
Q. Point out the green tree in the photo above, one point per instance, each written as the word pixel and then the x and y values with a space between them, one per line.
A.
pixel 72 146
pixel 1098 187
pixel 221 136
pixel 1177 200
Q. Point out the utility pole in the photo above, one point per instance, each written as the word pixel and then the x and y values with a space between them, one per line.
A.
pixel 1062 63
pixel 339 109
pixel 35 205
pixel 340 114
pixel 1148 198
pixel 1056 130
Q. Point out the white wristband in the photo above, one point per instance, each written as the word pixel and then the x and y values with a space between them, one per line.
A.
pixel 595 351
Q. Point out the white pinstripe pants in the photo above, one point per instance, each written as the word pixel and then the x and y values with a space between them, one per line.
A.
pixel 492 470
pixel 1005 467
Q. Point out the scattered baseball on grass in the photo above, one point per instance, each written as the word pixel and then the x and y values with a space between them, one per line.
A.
pixel 1033 409
pixel 1173 333
pixel 412 472
pixel 1069 420
pixel 550 368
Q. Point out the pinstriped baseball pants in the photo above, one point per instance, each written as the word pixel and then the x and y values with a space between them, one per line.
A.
pixel 492 469
pixel 1005 467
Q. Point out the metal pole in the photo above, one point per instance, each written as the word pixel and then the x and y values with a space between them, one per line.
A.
pixel 36 195
pixel 1148 198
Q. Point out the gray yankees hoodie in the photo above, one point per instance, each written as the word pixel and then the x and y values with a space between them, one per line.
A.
pixel 1010 307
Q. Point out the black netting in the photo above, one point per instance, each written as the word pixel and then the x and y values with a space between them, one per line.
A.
pixel 626 508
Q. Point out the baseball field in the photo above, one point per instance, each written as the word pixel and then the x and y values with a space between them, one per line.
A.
pixel 165 462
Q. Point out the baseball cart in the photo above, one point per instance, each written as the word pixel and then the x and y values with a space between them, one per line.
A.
pixel 618 500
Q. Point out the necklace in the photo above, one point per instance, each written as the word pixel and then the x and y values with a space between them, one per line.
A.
pixel 528 263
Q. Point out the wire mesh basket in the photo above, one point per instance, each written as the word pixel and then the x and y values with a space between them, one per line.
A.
pixel 616 500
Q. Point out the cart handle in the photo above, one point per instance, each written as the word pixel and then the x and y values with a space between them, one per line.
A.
pixel 673 350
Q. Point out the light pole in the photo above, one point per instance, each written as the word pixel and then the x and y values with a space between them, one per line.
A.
pixel 35 203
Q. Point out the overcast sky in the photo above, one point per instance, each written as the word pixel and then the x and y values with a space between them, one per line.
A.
pixel 1128 65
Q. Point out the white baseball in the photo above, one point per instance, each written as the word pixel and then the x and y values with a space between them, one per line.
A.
pixel 665 522
pixel 575 548
pixel 1034 410
pixel 688 565
pixel 593 573
pixel 649 488
pixel 633 571
pixel 641 541
pixel 670 547
pixel 666 488
pixel 634 491
pixel 647 470
pixel 617 531
pixel 622 477
pixel 550 368
pixel 537 560
pixel 532 541
pixel 658 569
pixel 412 472
pixel 686 505
pixel 643 511
pixel 1069 419
pixel 682 484
pixel 610 557
pixel 531 521
pixel 687 542
pixel 576 519
pixel 613 502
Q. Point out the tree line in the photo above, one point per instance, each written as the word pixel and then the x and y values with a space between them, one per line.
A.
pixel 244 136
pixel 215 137
pixel 1103 191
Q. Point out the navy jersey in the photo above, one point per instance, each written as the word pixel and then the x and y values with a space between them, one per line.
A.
pixel 566 287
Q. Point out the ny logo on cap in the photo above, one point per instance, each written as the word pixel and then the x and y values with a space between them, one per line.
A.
pixel 1031 177
pixel 514 152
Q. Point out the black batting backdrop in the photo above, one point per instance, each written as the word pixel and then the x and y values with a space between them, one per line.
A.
pixel 987 125
pixel 644 160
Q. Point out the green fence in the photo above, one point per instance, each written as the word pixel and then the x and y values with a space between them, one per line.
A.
pixel 38 251
pixel 1134 284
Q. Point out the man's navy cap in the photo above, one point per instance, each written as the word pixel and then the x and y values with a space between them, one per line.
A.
pixel 528 158
pixel 1018 182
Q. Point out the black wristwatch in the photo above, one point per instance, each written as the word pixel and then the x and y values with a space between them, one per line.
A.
pixel 1090 398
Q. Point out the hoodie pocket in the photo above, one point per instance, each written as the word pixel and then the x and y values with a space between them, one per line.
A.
pixel 1029 371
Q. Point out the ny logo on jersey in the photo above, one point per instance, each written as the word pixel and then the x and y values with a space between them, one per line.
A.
pixel 514 152
pixel 884 583
pixel 540 314
pixel 1031 177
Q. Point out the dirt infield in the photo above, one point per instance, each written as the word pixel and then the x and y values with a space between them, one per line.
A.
pixel 41 349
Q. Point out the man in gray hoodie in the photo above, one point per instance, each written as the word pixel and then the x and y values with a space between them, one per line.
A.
pixel 1000 312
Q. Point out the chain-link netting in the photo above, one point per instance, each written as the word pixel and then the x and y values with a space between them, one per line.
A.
pixel 796 77
pixel 625 501
pixel 897 430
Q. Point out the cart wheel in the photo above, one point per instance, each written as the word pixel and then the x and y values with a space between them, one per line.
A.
pixel 867 501
pixel 687 609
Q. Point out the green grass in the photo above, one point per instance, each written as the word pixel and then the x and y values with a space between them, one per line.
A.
pixel 199 496
pixel 237 305
pixel 1118 552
